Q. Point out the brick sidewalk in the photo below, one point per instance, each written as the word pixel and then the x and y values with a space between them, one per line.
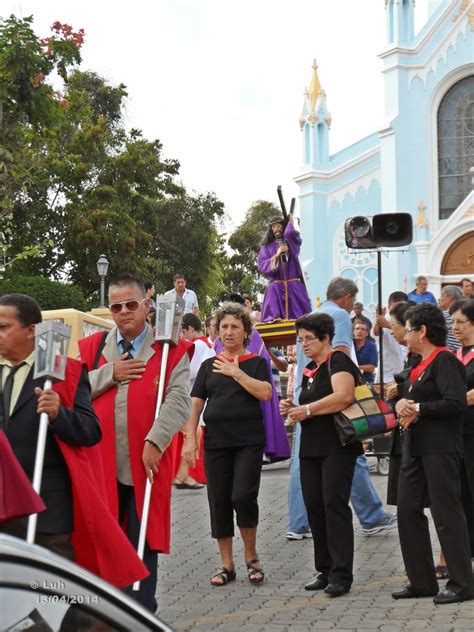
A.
pixel 188 601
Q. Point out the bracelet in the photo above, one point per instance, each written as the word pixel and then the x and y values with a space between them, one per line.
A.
pixel 238 377
pixel 308 412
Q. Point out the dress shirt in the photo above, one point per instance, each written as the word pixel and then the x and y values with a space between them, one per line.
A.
pixel 136 343
pixel 20 376
pixel 189 297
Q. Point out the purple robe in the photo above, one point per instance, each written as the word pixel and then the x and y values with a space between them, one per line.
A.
pixel 276 441
pixel 286 296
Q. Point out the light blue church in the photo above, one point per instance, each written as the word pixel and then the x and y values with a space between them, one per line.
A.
pixel 421 162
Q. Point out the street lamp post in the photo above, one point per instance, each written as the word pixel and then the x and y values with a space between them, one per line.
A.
pixel 102 267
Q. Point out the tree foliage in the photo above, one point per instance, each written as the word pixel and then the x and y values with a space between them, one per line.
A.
pixel 242 272
pixel 49 294
pixel 78 183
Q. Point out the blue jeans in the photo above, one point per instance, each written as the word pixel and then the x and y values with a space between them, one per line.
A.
pixel 364 498
pixel 297 517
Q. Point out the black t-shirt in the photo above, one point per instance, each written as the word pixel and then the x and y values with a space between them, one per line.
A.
pixel 318 433
pixel 469 418
pixel 233 417
pixel 441 392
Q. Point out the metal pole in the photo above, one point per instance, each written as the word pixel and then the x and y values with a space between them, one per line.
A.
pixel 379 283
pixel 148 488
pixel 102 290
pixel 38 471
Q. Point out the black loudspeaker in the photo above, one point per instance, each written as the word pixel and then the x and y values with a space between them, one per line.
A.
pixel 358 233
pixel 392 229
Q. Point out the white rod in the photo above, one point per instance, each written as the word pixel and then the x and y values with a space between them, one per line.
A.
pixel 148 488
pixel 38 471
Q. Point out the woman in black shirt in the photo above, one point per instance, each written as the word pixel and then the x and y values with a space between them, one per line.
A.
pixel 434 398
pixel 395 393
pixel 326 466
pixel 462 315
pixel 232 385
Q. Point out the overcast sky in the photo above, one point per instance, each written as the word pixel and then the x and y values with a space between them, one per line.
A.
pixel 221 83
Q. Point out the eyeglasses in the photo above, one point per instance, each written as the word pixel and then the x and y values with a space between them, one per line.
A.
pixel 131 306
pixel 455 321
pixel 306 341
pixel 410 329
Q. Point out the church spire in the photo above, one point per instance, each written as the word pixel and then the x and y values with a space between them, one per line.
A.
pixel 400 21
pixel 314 87
pixel 315 121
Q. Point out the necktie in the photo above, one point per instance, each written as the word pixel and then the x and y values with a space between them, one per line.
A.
pixel 7 390
pixel 126 346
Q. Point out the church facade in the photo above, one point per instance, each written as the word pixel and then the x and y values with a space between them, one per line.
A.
pixel 421 162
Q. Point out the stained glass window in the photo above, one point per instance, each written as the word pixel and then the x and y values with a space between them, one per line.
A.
pixel 455 145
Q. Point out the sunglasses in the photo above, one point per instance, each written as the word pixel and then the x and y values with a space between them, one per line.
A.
pixel 131 306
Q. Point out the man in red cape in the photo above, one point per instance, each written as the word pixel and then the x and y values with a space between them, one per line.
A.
pixel 124 370
pixel 76 523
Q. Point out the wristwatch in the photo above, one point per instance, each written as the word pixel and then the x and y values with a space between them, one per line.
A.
pixel 417 408
pixel 308 412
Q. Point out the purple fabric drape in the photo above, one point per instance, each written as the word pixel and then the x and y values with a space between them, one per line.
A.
pixel 276 441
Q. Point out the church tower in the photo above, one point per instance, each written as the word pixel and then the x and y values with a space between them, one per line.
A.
pixel 315 122
pixel 400 22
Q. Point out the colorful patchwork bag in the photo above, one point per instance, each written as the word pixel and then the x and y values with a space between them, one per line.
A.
pixel 366 417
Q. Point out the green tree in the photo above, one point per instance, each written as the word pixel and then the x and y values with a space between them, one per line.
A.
pixel 87 185
pixel 242 273
pixel 28 109
pixel 49 294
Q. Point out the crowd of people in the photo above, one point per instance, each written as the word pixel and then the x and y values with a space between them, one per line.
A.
pixel 222 417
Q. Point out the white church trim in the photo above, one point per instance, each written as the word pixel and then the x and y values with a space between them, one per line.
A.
pixel 440 53
pixel 460 223
pixel 351 188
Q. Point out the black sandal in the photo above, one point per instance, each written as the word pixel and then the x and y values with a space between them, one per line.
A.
pixel 442 571
pixel 253 571
pixel 225 574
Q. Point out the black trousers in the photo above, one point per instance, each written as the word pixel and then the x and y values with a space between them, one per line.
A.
pixel 437 475
pixel 326 483
pixel 59 543
pixel 128 516
pixel 467 486
pixel 233 481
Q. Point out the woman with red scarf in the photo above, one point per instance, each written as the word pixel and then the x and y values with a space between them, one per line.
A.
pixel 232 385
pixel 462 314
pixel 433 407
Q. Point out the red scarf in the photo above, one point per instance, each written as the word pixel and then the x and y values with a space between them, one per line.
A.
pixel 310 373
pixel 421 367
pixel 467 357
pixel 204 339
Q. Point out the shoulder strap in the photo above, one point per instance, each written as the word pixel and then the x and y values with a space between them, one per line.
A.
pixel 359 373
pixel 100 348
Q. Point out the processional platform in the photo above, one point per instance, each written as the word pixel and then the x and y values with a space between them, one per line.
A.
pixel 280 333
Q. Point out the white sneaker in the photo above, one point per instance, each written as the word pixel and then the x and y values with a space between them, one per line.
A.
pixel 389 522
pixel 292 535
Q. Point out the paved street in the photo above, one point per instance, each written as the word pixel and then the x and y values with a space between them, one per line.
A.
pixel 188 601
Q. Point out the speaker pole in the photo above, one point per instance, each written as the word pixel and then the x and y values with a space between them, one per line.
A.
pixel 379 283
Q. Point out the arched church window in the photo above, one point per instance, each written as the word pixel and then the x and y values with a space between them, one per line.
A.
pixel 455 145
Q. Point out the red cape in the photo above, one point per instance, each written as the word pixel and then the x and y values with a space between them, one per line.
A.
pixel 17 496
pixel 141 405
pixel 100 544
